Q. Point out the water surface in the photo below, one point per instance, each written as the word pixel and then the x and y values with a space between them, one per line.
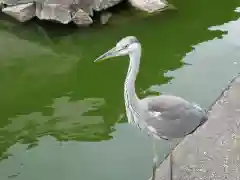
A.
pixel 62 116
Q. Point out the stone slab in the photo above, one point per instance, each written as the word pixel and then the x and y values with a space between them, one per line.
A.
pixel 213 151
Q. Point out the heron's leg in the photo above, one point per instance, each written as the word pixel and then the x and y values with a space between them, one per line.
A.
pixel 155 160
pixel 170 163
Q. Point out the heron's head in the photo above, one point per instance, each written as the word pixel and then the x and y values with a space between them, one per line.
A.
pixel 124 47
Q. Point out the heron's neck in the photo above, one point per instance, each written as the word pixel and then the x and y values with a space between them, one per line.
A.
pixel 131 98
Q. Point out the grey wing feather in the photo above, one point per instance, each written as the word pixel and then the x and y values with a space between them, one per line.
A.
pixel 173 117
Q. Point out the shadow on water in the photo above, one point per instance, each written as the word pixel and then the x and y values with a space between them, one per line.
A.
pixel 50 85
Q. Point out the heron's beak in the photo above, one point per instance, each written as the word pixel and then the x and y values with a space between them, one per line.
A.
pixel 111 53
pixel 186 63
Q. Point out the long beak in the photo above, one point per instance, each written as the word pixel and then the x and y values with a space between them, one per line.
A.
pixel 111 53
pixel 187 63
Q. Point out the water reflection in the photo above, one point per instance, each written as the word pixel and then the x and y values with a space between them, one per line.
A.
pixel 215 63
pixel 64 119
pixel 52 91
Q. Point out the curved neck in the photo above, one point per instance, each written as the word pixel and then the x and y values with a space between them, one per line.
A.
pixel 130 96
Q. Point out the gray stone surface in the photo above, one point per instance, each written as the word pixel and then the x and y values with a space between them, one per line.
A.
pixel 213 151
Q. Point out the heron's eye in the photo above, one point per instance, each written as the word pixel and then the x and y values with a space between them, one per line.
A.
pixel 126 46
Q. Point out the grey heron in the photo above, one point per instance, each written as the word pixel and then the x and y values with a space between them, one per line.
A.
pixel 164 116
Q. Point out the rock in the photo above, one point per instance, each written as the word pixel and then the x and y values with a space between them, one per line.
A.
pixel 53 12
pixel 104 18
pixel 62 11
pixel 81 18
pixel 149 6
pixel 85 5
pixel 16 2
pixel 10 2
pixel 21 12
pixel 104 4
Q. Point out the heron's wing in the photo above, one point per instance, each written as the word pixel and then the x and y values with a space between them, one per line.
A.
pixel 172 117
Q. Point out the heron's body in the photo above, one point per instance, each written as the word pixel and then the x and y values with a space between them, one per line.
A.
pixel 171 117
pixel 163 116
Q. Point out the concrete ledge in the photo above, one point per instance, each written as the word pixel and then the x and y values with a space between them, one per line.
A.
pixel 213 151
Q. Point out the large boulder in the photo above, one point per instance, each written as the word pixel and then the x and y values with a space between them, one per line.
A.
pixel 149 6
pixel 21 12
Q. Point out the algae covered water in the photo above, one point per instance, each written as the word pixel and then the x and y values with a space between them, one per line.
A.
pixel 62 116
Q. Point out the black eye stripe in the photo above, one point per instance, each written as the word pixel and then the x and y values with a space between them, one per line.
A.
pixel 127 45
pixel 124 47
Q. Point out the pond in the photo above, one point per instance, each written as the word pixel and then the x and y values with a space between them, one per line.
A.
pixel 62 116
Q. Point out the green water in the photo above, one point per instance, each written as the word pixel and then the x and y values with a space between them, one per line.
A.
pixel 62 116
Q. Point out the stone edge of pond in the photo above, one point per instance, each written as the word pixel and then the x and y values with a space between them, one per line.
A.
pixel 212 151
